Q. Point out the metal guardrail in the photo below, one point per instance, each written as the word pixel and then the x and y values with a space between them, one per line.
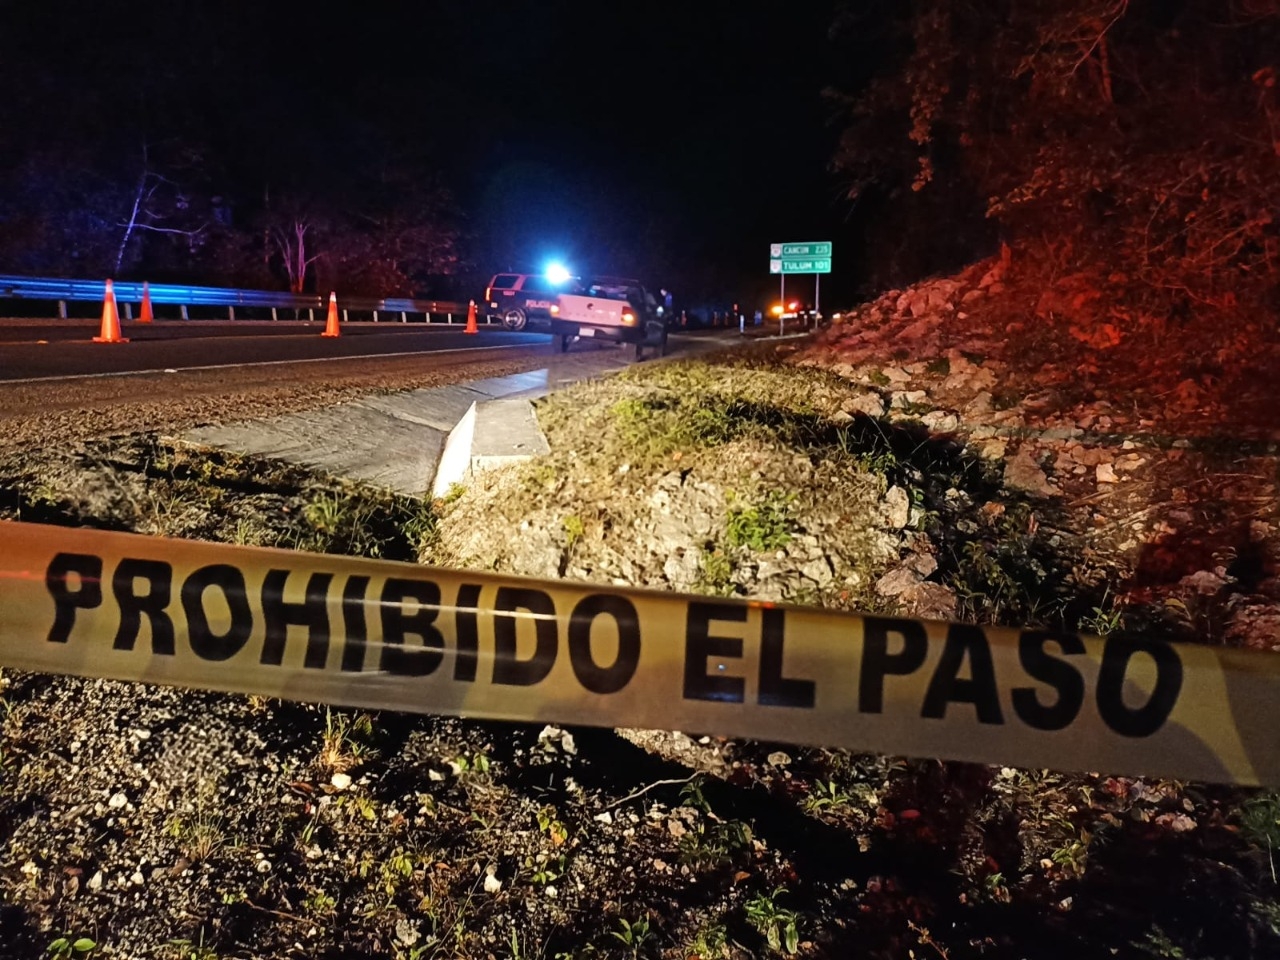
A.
pixel 75 291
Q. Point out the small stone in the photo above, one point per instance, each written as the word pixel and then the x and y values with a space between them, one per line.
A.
pixel 95 882
pixel 992 449
pixel 897 581
pixel 263 866
pixel 1024 473
pixel 491 883
pixel 819 571
pixel 436 776
pixel 779 759
pixel 117 801
pixel 922 563
pixel 340 781
pixel 1105 473
pixel 1204 582
pixel 605 817
pixel 897 507
pixel 137 879
pixel 869 404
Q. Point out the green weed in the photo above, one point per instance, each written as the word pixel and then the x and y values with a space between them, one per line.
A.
pixel 199 829
pixel 766 526
pixel 69 948
pixel 713 844
pixel 776 924
pixel 1156 943
pixel 632 935
pixel 476 763
pixel 715 574
pixel 1259 820
pixel 824 795
pixel 551 826
pixel 345 742
pixel 711 942
pixel 1072 857
pixel 550 870
pixel 246 533
pixel 574 529
pixel 184 949
pixel 320 904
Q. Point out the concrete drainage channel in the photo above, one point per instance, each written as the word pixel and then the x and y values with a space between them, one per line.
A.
pixel 421 442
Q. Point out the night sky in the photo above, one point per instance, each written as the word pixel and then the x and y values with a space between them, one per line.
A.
pixel 669 140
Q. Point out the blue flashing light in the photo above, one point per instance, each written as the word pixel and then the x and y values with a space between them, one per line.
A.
pixel 558 273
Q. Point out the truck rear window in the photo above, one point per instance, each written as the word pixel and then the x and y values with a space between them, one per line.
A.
pixel 505 281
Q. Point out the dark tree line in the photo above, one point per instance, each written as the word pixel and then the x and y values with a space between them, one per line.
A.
pixel 194 142
pixel 1140 137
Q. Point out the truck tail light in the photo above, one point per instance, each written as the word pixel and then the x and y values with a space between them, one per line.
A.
pixel 628 317
pixel 555 309
pixel 488 293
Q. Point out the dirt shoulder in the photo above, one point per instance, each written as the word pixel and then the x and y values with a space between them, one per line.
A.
pixel 159 823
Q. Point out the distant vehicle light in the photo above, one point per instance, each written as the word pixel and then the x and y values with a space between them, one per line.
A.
pixel 777 310
pixel 836 316
pixel 558 273
pixel 794 305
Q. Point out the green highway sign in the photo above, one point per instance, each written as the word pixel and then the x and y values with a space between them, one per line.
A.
pixel 800 251
pixel 801 265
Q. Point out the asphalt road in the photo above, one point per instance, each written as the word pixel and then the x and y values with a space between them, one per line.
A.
pixel 35 350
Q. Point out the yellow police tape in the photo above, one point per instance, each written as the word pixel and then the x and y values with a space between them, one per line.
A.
pixel 397 636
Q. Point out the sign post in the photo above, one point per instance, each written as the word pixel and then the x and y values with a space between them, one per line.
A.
pixel 814 258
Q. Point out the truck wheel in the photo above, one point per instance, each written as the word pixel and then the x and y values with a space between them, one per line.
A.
pixel 514 319
pixel 655 335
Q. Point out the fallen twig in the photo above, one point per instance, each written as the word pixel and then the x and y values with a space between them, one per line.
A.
pixel 643 790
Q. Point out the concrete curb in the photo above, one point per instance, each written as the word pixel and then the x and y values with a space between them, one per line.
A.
pixel 492 433
pixel 455 459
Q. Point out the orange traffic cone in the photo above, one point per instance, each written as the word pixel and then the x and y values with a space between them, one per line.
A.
pixel 471 319
pixel 145 315
pixel 110 319
pixel 331 324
